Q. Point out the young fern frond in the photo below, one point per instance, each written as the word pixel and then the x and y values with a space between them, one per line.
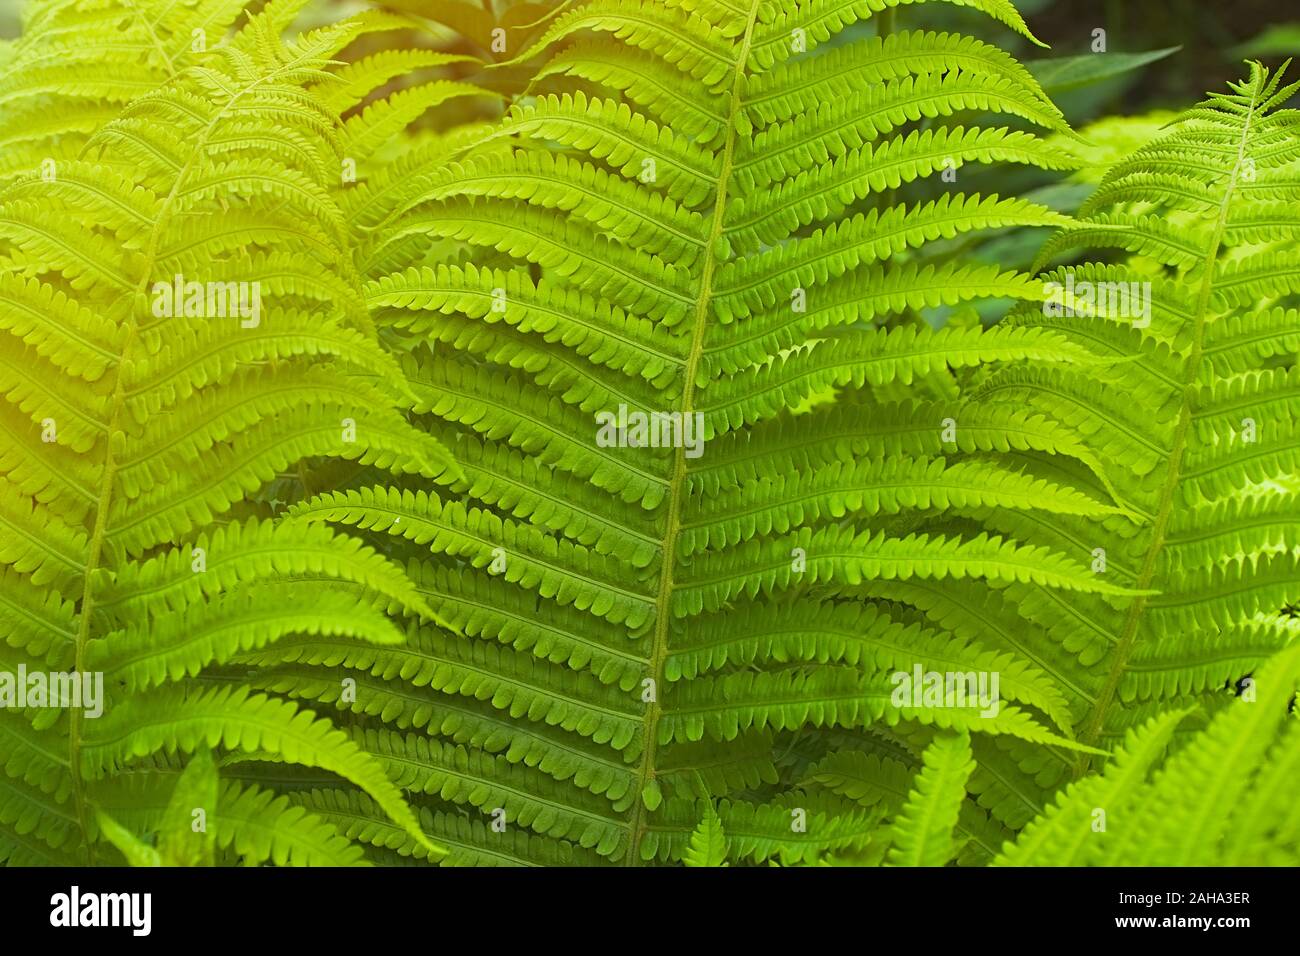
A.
pixel 922 832
pixel 1221 800
pixel 708 844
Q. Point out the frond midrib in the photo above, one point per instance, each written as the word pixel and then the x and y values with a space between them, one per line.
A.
pixel 677 483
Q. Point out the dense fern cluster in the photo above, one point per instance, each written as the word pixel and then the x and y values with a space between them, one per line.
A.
pixel 398 575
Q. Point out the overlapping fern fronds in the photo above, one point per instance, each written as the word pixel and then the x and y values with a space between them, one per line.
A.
pixel 134 436
pixel 544 638
pixel 692 216
pixel 1223 799
pixel 78 65
pixel 1194 412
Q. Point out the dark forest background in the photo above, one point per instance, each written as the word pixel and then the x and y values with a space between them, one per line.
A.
pixel 1215 35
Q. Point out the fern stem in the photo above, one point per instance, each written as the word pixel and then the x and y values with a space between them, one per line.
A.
pixel 1164 511
pixel 143 19
pixel 677 484
pixel 887 22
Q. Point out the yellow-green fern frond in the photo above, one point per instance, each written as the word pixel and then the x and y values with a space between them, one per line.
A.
pixel 186 341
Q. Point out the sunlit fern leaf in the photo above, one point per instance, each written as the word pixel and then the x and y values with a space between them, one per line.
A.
pixel 183 837
pixel 1195 413
pixel 138 432
pixel 248 825
pixel 625 645
pixel 77 65
pixel 875 776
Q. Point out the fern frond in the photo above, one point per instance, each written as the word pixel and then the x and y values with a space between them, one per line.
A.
pixel 1132 815
pixel 690 219
pixel 147 425
pixel 922 833
pixel 1205 430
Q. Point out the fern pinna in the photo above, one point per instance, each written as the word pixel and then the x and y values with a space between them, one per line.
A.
pixel 691 217
pixel 140 418
pixel 1193 412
